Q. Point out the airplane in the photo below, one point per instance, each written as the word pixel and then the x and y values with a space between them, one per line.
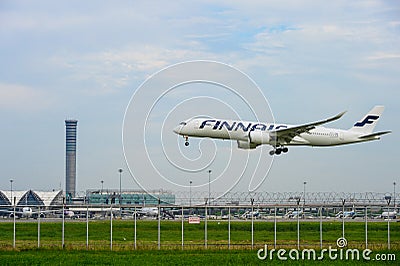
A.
pixel 250 135
pixel 24 212
pixel 153 212
pixel 293 214
pixel 389 215
pixel 70 214
pixel 148 211
pixel 347 214
pixel 248 214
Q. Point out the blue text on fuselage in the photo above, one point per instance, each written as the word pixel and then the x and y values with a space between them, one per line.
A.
pixel 235 126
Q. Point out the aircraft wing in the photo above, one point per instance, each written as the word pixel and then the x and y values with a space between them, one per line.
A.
pixel 11 212
pixel 44 212
pixel 285 135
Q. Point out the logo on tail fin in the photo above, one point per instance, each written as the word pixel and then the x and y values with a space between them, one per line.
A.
pixel 368 120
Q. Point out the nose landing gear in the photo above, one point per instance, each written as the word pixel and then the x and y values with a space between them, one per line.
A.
pixel 186 140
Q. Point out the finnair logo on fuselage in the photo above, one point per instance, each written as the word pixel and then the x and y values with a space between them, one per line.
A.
pixel 368 120
pixel 235 126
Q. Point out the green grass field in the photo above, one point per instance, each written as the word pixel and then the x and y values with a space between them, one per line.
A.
pixel 163 257
pixel 194 252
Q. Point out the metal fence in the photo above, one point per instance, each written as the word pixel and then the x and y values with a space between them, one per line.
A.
pixel 251 217
pixel 240 197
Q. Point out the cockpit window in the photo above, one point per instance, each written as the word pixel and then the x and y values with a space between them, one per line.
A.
pixel 182 123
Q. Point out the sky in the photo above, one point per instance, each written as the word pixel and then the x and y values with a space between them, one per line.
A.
pixel 86 59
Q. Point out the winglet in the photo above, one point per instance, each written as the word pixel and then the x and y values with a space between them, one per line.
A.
pixel 336 117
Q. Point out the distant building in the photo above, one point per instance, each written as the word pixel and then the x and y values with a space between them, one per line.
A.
pixel 31 198
pixel 130 197
pixel 70 158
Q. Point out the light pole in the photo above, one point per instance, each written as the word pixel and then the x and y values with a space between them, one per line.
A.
pixel 11 182
pixel 13 204
pixel 388 198
pixel 343 203
pixel 209 181
pixel 320 227
pixel 304 194
pixel 205 224
pixel 394 196
pixel 252 223
pixel 63 224
pixel 159 225
pixel 298 223
pixel 190 193
pixel 120 191
pixel 101 197
pixel 366 227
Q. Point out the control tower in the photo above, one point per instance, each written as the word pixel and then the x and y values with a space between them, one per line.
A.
pixel 70 158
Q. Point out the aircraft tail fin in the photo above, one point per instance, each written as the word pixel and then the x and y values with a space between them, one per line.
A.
pixel 367 124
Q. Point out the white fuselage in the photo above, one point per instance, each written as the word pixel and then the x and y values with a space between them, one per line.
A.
pixel 243 130
pixel 249 135
pixel 148 211
pixel 27 212
pixel 389 215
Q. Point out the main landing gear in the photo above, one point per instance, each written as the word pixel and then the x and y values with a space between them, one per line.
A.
pixel 278 151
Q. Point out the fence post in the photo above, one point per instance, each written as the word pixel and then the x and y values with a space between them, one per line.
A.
pixel 159 226
pixel 87 227
pixel 182 225
pixel 275 227
pixel 298 224
pixel 252 223
pixel 388 199
pixel 320 227
pixel 111 227
pixel 135 217
pixel 366 228
pixel 343 202
pixel 38 245
pixel 14 224
pixel 229 227
pixel 63 224
pixel 205 226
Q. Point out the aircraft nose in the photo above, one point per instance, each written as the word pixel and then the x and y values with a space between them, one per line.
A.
pixel 177 129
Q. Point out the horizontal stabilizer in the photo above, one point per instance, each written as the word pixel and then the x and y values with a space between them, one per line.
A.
pixel 374 134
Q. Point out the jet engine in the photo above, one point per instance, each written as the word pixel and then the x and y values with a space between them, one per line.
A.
pixel 260 137
pixel 246 145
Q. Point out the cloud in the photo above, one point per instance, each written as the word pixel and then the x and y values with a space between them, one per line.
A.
pixel 306 55
pixel 384 56
pixel 109 71
pixel 15 97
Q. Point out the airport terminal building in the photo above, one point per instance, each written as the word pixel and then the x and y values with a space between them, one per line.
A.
pixel 92 197
pixel 31 198
pixel 129 197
